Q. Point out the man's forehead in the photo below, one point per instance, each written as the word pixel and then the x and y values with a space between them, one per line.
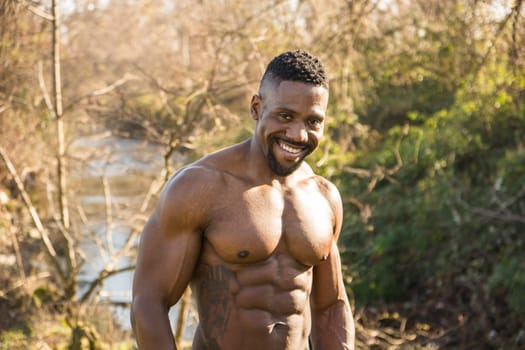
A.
pixel 273 87
pixel 297 96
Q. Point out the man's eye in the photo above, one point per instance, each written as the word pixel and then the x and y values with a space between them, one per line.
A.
pixel 315 122
pixel 285 116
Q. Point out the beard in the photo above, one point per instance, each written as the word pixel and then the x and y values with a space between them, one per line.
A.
pixel 278 168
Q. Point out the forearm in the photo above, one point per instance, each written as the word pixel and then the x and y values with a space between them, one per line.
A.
pixel 333 327
pixel 151 326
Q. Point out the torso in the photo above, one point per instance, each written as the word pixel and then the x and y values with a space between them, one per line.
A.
pixel 253 279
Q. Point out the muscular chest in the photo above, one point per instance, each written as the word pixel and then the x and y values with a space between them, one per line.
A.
pixel 250 225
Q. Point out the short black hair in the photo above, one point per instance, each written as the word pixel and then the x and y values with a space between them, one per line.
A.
pixel 298 66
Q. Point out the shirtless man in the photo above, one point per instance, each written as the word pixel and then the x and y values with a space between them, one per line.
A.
pixel 254 232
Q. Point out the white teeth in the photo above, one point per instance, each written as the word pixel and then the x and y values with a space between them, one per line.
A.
pixel 289 148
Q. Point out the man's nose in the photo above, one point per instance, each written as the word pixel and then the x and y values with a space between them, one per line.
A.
pixel 297 133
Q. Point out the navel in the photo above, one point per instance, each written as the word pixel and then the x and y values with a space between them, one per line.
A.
pixel 243 254
pixel 277 326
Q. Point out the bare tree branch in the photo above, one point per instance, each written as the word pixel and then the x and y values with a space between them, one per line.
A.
pixel 109 216
pixel 379 172
pixel 103 91
pixel 24 283
pixel 43 88
pixel 50 249
pixel 18 255
pixel 501 213
pixel 35 10
pixel 105 273
pixel 58 113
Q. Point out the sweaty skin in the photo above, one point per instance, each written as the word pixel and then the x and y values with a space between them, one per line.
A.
pixel 254 232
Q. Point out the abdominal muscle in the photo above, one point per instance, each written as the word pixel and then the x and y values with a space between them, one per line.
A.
pixel 263 305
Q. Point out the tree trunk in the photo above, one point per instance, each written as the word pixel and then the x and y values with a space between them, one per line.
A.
pixel 61 159
pixel 57 92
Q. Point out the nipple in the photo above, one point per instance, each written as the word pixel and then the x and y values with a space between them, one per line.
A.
pixel 243 254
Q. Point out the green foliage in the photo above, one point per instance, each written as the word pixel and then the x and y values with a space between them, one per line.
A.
pixel 455 204
pixel 43 295
pixel 509 274
pixel 15 339
pixel 434 190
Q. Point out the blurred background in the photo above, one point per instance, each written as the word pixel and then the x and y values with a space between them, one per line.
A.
pixel 101 101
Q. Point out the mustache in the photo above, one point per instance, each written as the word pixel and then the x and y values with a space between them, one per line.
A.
pixel 294 143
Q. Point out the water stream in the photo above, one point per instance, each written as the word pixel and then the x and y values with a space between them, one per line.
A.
pixel 129 166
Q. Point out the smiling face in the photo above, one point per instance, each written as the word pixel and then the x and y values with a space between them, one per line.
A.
pixel 290 121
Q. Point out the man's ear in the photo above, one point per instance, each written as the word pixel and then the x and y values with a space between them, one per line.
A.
pixel 255 107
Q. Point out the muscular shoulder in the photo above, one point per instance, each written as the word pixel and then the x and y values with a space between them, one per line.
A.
pixel 332 195
pixel 328 189
pixel 206 176
pixel 227 161
pixel 185 199
pixel 191 180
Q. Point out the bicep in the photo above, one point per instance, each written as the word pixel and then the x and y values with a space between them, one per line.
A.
pixel 171 240
pixel 166 259
pixel 333 325
pixel 328 286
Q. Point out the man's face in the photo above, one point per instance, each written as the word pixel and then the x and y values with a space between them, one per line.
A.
pixel 290 122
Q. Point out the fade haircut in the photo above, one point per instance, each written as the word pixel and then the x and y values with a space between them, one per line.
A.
pixel 299 66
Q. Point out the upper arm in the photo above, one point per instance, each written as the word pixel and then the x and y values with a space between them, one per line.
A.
pixel 333 325
pixel 170 242
pixel 328 286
